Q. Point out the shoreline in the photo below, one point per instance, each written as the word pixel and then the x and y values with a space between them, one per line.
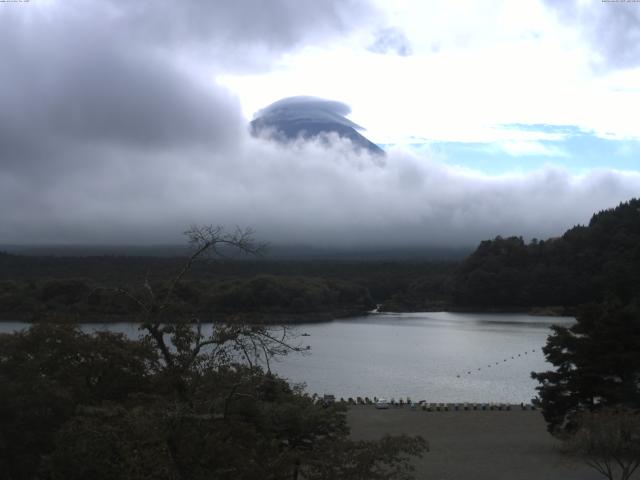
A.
pixel 270 318
pixel 423 405
pixel 546 311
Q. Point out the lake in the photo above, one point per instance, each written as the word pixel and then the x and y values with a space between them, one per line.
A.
pixel 433 356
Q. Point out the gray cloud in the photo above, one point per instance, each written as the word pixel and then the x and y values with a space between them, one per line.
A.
pixel 106 135
pixel 113 73
pixel 224 26
pixel 611 28
pixel 306 192
pixel 391 40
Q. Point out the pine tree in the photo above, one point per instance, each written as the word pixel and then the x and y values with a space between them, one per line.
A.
pixel 597 364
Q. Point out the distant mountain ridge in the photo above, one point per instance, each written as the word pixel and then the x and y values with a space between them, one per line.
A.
pixel 309 117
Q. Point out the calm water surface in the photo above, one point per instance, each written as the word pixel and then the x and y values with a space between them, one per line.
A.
pixel 438 357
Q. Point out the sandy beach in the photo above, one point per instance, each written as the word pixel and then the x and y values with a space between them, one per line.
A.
pixel 475 445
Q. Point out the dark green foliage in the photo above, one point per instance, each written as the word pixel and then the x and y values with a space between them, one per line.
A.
pixel 262 435
pixel 585 264
pixel 46 372
pixel 65 292
pixel 268 293
pixel 83 299
pixel 109 442
pixel 254 433
pixel 597 364
pixel 63 288
pixel 77 406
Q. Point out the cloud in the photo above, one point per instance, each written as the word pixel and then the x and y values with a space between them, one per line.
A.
pixel 611 27
pixel 306 192
pixel 511 63
pixel 112 74
pixel 528 148
pixel 283 24
pixel 112 132
pixel 242 33
pixel 391 40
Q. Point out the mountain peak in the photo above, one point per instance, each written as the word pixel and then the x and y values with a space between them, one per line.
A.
pixel 309 117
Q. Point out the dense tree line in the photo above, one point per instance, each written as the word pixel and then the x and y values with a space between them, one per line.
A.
pixel 586 264
pixel 74 298
pixel 56 287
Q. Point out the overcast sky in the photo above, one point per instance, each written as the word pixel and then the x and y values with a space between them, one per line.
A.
pixel 125 122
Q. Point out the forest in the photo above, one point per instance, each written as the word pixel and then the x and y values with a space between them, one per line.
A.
pixel 586 263
pixel 33 287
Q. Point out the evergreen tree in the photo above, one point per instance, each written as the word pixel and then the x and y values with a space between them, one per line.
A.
pixel 597 364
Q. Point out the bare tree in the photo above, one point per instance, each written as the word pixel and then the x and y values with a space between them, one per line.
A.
pixel 609 441
pixel 178 334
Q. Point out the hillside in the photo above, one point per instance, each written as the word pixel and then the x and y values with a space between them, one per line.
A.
pixel 587 263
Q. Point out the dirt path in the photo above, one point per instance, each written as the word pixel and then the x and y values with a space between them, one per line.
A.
pixel 475 445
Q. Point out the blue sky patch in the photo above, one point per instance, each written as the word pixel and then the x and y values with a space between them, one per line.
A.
pixel 562 145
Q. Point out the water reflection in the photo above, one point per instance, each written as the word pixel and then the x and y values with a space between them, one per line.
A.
pixel 441 356
pixel 436 356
